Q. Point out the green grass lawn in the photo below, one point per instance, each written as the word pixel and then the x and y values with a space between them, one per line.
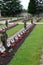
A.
pixel 14 30
pixel 5 18
pixel 30 51
pixel 3 25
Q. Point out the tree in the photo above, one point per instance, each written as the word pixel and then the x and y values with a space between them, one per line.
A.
pixel 0 6
pixel 11 7
pixel 32 7
pixel 35 6
pixel 39 4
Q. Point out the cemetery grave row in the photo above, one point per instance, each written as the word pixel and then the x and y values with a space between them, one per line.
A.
pixel 25 53
pixel 15 40
pixel 30 27
pixel 16 19
pixel 12 31
pixel 12 18
pixel 7 28
pixel 29 52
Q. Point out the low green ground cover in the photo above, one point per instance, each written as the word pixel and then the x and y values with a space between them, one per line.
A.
pixel 14 30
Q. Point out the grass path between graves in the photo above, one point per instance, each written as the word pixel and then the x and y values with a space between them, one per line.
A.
pixel 30 51
pixel 14 30
pixel 1 26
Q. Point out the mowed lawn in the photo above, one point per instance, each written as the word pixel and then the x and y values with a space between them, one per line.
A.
pixel 14 30
pixel 30 51
pixel 3 25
